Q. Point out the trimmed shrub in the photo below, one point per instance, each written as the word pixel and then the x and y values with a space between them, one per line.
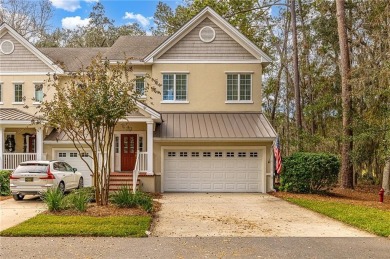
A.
pixel 309 172
pixel 125 198
pixel 4 182
pixel 78 199
pixel 54 199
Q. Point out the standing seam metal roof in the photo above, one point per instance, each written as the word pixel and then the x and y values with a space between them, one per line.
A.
pixel 214 125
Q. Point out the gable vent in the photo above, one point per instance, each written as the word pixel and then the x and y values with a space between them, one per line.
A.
pixel 207 34
pixel 7 47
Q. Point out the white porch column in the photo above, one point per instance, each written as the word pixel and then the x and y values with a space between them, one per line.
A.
pixel 149 140
pixel 39 143
pixel 1 146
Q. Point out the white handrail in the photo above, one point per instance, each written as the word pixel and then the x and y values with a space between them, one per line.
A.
pixel 135 172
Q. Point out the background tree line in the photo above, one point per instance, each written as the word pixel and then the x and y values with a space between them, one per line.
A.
pixel 323 92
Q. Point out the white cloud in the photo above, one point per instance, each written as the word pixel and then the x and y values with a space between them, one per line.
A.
pixel 72 22
pixel 69 5
pixel 144 21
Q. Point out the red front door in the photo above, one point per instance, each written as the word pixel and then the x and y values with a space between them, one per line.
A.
pixel 128 151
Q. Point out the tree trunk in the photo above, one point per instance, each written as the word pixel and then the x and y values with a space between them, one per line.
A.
pixel 346 161
pixel 297 92
pixel 386 177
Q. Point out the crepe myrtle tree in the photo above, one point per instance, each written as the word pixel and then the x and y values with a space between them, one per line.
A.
pixel 86 107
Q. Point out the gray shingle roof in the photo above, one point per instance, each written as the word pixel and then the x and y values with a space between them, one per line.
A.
pixel 13 114
pixel 215 125
pixel 72 59
pixel 134 47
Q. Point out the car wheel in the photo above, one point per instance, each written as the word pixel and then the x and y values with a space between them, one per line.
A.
pixel 81 183
pixel 18 197
pixel 61 186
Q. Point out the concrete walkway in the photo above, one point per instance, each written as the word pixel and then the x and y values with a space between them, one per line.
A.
pixel 242 215
pixel 14 212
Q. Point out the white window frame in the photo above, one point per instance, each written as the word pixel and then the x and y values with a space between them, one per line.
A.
pixel 137 77
pixel 239 73
pixel 15 84
pixel 175 73
pixel 35 93
pixel 1 93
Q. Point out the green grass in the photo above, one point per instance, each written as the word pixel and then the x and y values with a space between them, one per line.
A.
pixel 53 225
pixel 373 220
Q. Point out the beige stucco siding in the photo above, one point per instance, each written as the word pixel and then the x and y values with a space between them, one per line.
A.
pixel 21 60
pixel 8 91
pixel 191 47
pixel 206 88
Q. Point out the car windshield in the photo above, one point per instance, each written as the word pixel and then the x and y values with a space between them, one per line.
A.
pixel 31 168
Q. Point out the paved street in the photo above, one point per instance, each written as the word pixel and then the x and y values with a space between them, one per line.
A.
pixel 211 247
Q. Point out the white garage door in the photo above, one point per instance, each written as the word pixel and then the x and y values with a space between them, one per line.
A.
pixel 72 157
pixel 228 170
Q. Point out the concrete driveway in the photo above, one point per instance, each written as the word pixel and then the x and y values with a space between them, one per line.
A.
pixel 14 212
pixel 242 215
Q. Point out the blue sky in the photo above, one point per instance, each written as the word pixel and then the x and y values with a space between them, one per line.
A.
pixel 69 13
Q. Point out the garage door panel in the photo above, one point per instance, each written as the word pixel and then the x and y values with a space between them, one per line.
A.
pixel 228 170
pixel 73 158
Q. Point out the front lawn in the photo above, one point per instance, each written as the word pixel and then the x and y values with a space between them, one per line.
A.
pixel 374 220
pixel 59 225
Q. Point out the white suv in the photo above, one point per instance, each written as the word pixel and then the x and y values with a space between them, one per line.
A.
pixel 35 177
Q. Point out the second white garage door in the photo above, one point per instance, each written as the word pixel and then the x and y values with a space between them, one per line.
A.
pixel 72 158
pixel 202 170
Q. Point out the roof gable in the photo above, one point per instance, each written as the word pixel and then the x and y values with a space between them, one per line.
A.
pixel 24 58
pixel 222 47
pixel 216 19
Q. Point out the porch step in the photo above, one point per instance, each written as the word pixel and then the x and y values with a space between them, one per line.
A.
pixel 119 179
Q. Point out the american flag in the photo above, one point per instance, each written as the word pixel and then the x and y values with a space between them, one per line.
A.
pixel 278 157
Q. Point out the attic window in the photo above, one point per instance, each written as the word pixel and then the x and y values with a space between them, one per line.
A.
pixel 7 47
pixel 207 34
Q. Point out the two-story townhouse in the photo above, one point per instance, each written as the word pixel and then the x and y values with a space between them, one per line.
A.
pixel 204 133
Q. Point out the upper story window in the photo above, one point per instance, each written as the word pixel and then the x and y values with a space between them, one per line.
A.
pixel 18 92
pixel 38 92
pixel 1 93
pixel 140 85
pixel 175 87
pixel 239 87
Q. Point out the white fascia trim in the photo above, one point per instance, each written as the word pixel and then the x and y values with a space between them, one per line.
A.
pixel 25 73
pixel 167 61
pixel 153 113
pixel 15 122
pixel 271 139
pixel 121 61
pixel 33 49
pixel 136 119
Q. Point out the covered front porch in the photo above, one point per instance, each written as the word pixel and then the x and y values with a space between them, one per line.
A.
pixel 19 140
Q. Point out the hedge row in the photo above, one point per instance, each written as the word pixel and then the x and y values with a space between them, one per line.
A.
pixel 309 172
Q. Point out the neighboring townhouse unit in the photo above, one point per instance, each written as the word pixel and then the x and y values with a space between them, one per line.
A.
pixel 204 133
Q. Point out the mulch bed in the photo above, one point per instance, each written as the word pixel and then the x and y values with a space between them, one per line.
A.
pixel 106 211
pixel 364 195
